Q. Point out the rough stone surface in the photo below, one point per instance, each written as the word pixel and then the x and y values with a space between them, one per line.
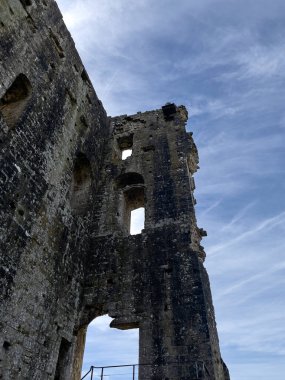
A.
pixel 67 255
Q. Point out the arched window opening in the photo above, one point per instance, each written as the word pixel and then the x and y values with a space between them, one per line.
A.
pixel 132 197
pixel 134 210
pixel 14 101
pixel 125 144
pixel 105 347
pixel 137 221
pixel 81 184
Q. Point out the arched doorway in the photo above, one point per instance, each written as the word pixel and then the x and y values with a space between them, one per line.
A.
pixel 107 346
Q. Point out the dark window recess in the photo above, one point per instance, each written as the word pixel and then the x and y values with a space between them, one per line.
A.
pixel 58 47
pixel 26 3
pixel 85 76
pixel 134 198
pixel 6 345
pixel 81 184
pixel 63 359
pixel 148 148
pixel 81 126
pixel 169 110
pixel 15 100
pixel 129 179
pixel 125 144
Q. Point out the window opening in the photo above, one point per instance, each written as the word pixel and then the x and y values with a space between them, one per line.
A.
pixel 169 111
pixel 137 221
pixel 124 349
pixel 125 144
pixel 132 198
pixel 14 101
pixel 126 153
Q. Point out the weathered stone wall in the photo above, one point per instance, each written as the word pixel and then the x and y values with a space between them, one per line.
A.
pixel 155 280
pixel 57 127
pixel 67 255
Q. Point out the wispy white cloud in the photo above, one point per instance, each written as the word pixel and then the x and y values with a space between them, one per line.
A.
pixel 268 224
pixel 210 208
pixel 262 61
pixel 238 217
pixel 247 269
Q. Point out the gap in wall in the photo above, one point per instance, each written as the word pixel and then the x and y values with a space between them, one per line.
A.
pixel 137 221
pixel 126 153
pixel 107 346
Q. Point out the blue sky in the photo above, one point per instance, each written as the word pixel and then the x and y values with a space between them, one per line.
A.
pixel 224 60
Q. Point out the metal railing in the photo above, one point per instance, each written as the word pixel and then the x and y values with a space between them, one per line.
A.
pixel 102 369
pixel 199 367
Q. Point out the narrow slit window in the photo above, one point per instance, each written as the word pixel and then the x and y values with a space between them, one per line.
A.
pixel 137 221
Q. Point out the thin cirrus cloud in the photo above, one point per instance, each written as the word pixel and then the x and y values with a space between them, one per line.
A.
pixel 224 60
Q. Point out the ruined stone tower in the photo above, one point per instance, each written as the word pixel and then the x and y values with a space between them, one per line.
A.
pixel 67 255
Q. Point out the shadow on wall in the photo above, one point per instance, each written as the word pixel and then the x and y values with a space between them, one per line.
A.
pixel 15 100
pixel 81 184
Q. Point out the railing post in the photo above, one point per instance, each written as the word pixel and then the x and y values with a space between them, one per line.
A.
pixel 134 371
pixel 92 373
pixel 102 373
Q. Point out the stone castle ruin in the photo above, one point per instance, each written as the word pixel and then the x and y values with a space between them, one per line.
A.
pixel 67 255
